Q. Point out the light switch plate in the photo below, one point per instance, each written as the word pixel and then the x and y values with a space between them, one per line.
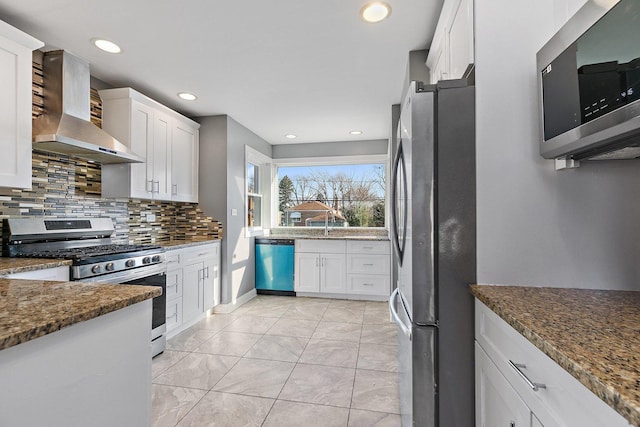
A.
pixel 234 212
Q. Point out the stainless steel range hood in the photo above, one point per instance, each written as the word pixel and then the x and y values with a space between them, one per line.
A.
pixel 65 128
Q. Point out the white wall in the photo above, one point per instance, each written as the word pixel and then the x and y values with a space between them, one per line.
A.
pixel 538 226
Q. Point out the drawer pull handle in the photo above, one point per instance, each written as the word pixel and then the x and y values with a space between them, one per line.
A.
pixel 173 315
pixel 367 284
pixel 367 247
pixel 518 367
pixel 368 265
pixel 203 254
pixel 175 285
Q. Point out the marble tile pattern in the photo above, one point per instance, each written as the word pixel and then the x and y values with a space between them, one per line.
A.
pixel 33 308
pixel 295 367
pixel 21 265
pixel 593 334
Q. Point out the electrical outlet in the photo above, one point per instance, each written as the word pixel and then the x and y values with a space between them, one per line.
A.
pixel 151 217
pixel 234 212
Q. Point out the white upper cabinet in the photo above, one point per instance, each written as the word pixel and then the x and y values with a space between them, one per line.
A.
pixel 184 154
pixel 167 140
pixel 452 49
pixel 16 50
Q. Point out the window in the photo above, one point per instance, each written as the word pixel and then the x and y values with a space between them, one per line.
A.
pixel 254 198
pixel 257 189
pixel 335 195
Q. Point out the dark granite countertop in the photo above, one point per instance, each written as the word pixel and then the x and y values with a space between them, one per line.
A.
pixel 33 308
pixel 593 334
pixel 323 237
pixel 21 265
pixel 185 243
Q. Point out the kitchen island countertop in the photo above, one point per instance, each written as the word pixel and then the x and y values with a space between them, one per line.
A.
pixel 593 334
pixel 30 309
pixel 21 265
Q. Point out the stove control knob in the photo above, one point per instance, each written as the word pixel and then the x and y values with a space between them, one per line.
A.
pixel 110 266
pixel 96 269
pixel 130 263
pixel 156 258
pixel 146 260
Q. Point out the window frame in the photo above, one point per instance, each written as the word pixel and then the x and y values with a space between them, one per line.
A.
pixel 265 177
pixel 329 161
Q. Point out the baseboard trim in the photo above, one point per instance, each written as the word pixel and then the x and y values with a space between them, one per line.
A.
pixel 230 307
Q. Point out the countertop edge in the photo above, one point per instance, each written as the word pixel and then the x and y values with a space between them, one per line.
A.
pixel 40 329
pixel 181 244
pixel 607 395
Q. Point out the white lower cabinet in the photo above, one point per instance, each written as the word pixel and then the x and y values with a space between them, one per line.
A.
pixel 497 403
pixel 320 266
pixel 193 284
pixel 518 385
pixel 343 268
pixel 369 268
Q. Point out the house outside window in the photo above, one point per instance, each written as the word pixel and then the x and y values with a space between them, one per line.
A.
pixel 335 195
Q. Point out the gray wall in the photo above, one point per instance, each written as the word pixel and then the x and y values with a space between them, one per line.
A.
pixel 330 149
pixel 222 170
pixel 538 226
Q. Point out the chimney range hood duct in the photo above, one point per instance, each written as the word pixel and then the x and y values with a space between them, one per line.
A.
pixel 65 128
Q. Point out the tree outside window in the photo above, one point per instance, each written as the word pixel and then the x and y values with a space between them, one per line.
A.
pixel 342 195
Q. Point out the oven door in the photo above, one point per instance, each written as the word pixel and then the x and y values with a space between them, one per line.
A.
pixel 152 275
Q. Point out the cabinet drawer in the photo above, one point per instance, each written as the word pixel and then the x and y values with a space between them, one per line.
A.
pixel 368 284
pixel 312 245
pixel 375 247
pixel 368 264
pixel 564 401
pixel 173 258
pixel 199 253
pixel 174 314
pixel 174 284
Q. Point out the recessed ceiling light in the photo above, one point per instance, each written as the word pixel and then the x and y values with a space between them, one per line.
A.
pixel 355 132
pixel 375 11
pixel 106 45
pixel 290 136
pixel 187 96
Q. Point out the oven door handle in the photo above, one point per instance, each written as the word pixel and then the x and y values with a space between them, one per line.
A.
pixel 128 275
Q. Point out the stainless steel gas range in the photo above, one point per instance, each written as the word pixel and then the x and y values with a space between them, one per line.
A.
pixel 95 258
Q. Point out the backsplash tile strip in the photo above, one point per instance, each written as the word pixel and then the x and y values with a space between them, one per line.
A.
pixel 68 187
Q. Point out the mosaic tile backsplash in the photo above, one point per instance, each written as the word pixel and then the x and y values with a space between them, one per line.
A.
pixel 67 187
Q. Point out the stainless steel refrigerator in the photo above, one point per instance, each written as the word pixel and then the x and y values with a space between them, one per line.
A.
pixel 434 238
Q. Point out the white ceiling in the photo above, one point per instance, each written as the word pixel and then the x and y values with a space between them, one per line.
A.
pixel 308 67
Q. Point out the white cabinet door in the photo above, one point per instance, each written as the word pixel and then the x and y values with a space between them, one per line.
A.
pixel 162 139
pixel 184 167
pixel 332 273
pixel 141 143
pixel 192 290
pixel 307 277
pixel 15 107
pixel 461 49
pixel 210 270
pixel 497 403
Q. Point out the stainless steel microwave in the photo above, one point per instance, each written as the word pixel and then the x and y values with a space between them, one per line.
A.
pixel 589 84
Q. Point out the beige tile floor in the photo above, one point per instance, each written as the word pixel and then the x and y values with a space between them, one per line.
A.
pixel 282 361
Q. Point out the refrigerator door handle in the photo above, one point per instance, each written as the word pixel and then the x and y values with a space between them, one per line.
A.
pixel 392 307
